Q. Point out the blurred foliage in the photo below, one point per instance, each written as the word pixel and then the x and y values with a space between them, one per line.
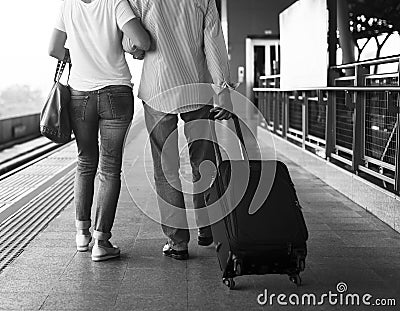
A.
pixel 370 18
pixel 20 100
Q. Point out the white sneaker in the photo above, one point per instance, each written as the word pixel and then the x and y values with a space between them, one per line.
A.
pixel 100 253
pixel 82 242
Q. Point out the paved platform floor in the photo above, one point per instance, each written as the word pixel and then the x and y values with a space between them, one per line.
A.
pixel 346 244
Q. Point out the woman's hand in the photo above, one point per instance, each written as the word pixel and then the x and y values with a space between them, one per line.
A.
pixel 138 54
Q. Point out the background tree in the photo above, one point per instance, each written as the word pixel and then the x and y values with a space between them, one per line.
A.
pixel 20 99
pixel 370 19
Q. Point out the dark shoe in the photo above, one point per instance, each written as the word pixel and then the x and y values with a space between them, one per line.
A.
pixel 176 254
pixel 204 240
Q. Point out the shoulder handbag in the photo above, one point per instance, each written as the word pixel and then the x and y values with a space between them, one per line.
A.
pixel 54 118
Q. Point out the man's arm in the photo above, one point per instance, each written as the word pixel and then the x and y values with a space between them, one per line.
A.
pixel 217 60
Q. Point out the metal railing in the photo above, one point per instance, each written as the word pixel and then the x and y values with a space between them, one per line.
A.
pixel 18 129
pixel 352 123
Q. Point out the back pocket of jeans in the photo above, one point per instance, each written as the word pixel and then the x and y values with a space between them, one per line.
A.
pixel 121 105
pixel 77 107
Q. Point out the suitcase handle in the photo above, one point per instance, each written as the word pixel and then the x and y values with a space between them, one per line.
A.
pixel 238 133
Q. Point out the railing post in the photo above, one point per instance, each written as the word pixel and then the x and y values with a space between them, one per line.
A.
pixel 397 154
pixel 276 113
pixel 358 121
pixel 330 125
pixel 270 105
pixel 304 118
pixel 285 114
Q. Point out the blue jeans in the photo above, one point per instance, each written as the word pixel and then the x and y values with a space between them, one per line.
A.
pixel 108 111
pixel 163 133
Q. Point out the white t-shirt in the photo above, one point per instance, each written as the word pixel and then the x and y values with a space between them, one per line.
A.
pixel 94 40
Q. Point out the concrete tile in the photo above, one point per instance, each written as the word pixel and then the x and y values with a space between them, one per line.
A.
pixel 31 274
pixel 396 205
pixel 346 243
pixel 312 227
pixel 366 226
pixel 356 278
pixel 95 272
pixel 334 262
pixel 49 252
pixel 151 303
pixel 12 285
pixel 217 296
pixel 323 235
pixel 151 232
pixel 316 198
pixel 21 301
pixel 196 251
pixel 362 193
pixel 338 179
pixel 333 213
pixel 376 201
pixel 125 197
pixel 153 282
pixel 139 261
pixel 67 243
pixel 80 301
pixel 48 235
pixel 77 286
pixel 41 261
pixel 369 239
pixel 150 247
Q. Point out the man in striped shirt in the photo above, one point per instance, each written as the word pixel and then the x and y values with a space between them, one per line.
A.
pixel 186 64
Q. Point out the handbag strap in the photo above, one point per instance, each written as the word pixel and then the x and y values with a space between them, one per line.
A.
pixel 60 69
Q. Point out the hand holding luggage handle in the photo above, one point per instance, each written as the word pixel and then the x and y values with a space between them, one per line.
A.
pixel 238 133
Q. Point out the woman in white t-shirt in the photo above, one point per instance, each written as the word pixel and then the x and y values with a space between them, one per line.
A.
pixel 101 102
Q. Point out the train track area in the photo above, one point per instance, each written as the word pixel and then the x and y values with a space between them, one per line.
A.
pixel 33 194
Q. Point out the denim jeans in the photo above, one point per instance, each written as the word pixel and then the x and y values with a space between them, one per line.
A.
pixel 108 112
pixel 163 133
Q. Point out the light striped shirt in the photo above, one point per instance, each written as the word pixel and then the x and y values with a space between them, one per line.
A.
pixel 188 49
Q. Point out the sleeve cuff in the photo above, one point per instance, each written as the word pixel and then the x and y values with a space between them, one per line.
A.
pixel 230 85
pixel 225 85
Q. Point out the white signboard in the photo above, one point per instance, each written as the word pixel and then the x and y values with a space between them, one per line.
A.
pixel 304 44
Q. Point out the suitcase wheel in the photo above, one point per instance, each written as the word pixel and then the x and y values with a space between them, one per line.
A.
pixel 296 279
pixel 302 265
pixel 229 282
pixel 237 266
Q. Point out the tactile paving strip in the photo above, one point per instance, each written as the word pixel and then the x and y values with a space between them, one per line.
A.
pixel 18 185
pixel 31 198
pixel 18 230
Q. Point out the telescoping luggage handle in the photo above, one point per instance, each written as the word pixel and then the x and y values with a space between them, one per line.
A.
pixel 238 133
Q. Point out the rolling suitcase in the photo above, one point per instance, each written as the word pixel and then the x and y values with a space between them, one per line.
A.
pixel 261 228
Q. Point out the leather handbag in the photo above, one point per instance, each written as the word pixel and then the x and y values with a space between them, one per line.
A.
pixel 54 118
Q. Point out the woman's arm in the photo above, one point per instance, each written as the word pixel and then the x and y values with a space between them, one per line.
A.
pixel 138 36
pixel 56 46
